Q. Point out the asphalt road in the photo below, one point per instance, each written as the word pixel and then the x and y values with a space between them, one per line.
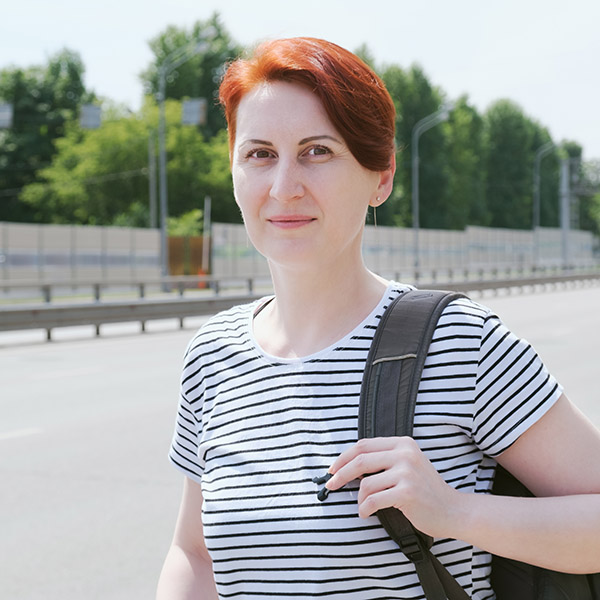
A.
pixel 88 500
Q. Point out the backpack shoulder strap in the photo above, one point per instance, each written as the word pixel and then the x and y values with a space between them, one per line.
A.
pixel 395 362
pixel 387 406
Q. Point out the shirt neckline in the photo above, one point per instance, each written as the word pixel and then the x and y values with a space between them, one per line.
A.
pixel 320 354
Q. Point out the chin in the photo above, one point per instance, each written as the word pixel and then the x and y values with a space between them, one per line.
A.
pixel 296 258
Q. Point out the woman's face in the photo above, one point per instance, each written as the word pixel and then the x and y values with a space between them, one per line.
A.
pixel 302 193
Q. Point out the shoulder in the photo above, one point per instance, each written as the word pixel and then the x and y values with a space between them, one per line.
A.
pixel 462 317
pixel 223 339
pixel 465 318
pixel 465 310
pixel 221 330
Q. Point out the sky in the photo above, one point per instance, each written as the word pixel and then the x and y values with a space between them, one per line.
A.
pixel 543 55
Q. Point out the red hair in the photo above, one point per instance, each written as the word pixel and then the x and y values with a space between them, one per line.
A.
pixel 354 97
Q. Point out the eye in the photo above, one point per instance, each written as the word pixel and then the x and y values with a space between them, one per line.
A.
pixel 259 153
pixel 318 151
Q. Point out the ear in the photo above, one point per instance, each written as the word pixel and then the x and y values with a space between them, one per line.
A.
pixel 386 183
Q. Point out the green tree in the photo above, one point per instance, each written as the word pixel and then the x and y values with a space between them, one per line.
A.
pixel 95 176
pixel 585 189
pixel 510 140
pixel 594 208
pixel 101 176
pixel 187 225
pixel 199 76
pixel 549 182
pixel 466 204
pixel 416 98
pixel 364 53
pixel 44 98
pixel 197 168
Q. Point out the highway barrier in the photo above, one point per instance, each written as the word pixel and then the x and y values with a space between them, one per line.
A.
pixel 48 316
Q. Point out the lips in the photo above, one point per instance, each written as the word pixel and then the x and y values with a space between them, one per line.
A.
pixel 291 221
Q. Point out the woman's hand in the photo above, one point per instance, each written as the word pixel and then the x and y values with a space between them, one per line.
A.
pixel 395 472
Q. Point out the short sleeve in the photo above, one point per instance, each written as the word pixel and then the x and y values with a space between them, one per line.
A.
pixel 184 452
pixel 513 388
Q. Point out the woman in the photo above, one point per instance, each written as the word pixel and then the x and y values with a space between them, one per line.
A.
pixel 270 391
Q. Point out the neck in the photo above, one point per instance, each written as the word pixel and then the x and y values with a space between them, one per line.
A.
pixel 313 309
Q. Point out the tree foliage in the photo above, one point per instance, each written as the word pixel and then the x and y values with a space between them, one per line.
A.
pixel 95 176
pixel 473 169
pixel 416 98
pixel 466 201
pixel 101 176
pixel 45 100
pixel 585 179
pixel 188 224
pixel 509 165
pixel 199 76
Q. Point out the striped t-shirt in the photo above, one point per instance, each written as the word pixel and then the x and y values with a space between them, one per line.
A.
pixel 254 430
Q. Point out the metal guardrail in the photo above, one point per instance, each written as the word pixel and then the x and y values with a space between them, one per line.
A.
pixel 48 291
pixel 51 291
pixel 50 316
pixel 97 314
pixel 519 283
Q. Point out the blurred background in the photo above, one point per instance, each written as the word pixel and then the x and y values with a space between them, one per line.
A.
pixel 108 119
pixel 114 183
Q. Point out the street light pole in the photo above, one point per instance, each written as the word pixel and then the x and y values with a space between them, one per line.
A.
pixel 540 153
pixel 170 63
pixel 565 206
pixel 162 174
pixel 152 177
pixel 421 127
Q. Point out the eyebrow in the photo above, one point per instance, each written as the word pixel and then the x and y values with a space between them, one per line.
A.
pixel 318 137
pixel 261 142
pixel 303 141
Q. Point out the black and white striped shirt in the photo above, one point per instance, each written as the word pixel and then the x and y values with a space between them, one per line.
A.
pixel 254 430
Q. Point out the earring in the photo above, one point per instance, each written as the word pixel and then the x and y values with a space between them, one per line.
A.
pixel 375 212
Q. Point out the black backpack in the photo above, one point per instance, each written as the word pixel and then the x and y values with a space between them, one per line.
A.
pixel 387 404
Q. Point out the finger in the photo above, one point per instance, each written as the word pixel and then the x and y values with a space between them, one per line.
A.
pixel 366 463
pixel 373 484
pixel 382 499
pixel 365 445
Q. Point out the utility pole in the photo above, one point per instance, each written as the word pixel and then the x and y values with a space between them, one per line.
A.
pixel 152 179
pixel 540 153
pixel 565 209
pixel 206 234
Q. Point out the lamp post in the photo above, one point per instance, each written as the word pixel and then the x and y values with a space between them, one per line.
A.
pixel 152 176
pixel 565 212
pixel 540 153
pixel 170 63
pixel 421 127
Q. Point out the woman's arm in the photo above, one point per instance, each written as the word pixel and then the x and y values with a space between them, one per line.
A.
pixel 187 572
pixel 557 457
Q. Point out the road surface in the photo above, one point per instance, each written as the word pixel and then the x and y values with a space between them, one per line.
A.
pixel 88 499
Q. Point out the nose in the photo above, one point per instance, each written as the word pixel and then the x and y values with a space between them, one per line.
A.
pixel 287 181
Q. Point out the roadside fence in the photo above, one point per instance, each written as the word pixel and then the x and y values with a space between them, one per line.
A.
pixel 66 253
pixel 211 295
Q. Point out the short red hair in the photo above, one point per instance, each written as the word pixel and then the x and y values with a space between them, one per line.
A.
pixel 354 97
